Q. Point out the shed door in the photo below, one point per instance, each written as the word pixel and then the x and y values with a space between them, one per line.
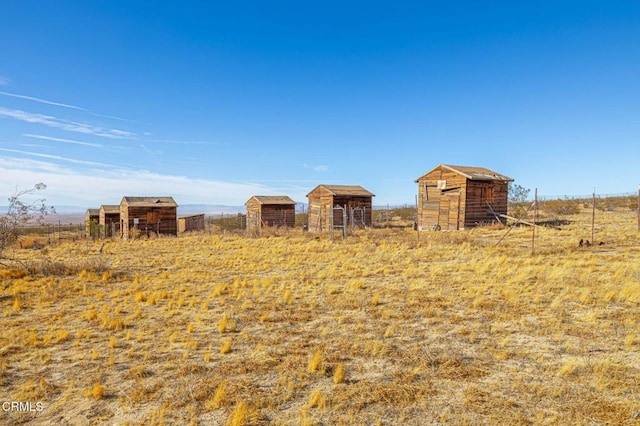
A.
pixel 454 212
pixel 443 214
pixel 153 217
pixel 315 218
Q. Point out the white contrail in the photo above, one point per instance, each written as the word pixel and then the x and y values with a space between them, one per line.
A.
pixel 42 101
pixel 60 104
pixel 70 126
pixel 56 157
pixel 49 138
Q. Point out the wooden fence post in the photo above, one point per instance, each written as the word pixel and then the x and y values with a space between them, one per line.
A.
pixel 593 218
pixel 535 217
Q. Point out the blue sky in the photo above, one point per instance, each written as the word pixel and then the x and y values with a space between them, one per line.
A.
pixel 212 102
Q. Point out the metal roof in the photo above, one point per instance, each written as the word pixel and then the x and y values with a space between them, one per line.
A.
pixel 272 199
pixel 472 173
pixel 149 201
pixel 93 212
pixel 345 190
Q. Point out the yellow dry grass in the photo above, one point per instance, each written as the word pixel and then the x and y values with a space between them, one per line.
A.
pixel 380 329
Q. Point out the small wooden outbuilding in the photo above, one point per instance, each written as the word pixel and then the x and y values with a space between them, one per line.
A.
pixel 459 197
pixel 91 221
pixel 325 202
pixel 191 223
pixel 109 215
pixel 270 210
pixel 148 215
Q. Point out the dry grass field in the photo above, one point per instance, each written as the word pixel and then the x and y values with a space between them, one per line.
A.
pixel 294 329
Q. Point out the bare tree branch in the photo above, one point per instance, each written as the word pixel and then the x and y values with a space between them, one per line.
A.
pixel 21 213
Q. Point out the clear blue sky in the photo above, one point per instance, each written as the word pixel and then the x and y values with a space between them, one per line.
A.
pixel 213 102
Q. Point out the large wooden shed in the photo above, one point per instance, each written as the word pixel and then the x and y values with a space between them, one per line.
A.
pixel 270 210
pixel 109 215
pixel 324 201
pixel 458 197
pixel 91 221
pixel 148 215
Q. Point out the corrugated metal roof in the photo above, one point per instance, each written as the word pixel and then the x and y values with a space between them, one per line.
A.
pixel 110 208
pixel 272 199
pixel 150 201
pixel 345 190
pixel 93 212
pixel 472 173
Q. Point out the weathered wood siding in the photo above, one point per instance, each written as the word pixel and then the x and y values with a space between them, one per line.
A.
pixel 108 216
pixel 481 195
pixel 462 203
pixel 441 208
pixel 322 202
pixel 191 223
pixel 361 207
pixel 91 222
pixel 269 211
pixel 278 215
pixel 320 205
pixel 151 220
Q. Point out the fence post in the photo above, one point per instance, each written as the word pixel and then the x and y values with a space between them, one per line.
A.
pixel 331 223
pixel 344 222
pixel 417 224
pixel 535 217
pixel 593 218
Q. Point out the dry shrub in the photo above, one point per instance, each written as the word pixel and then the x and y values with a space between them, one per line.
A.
pixel 478 400
pixel 561 207
pixel 138 372
pixel 33 390
pixel 455 367
pixel 47 267
pixel 361 394
pixel 244 414
pixel 34 242
pixel 12 273
pixel 142 393
pixel 96 391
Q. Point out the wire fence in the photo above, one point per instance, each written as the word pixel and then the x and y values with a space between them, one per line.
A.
pixel 38 236
pixel 592 216
pixel 542 210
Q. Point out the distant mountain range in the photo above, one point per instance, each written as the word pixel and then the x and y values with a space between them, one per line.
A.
pixel 76 214
pixel 187 209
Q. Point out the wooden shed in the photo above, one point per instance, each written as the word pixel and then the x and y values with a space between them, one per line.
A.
pixel 325 202
pixel 458 197
pixel 191 223
pixel 270 210
pixel 91 221
pixel 148 215
pixel 109 220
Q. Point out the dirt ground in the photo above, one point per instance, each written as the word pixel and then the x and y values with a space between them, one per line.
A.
pixel 387 327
